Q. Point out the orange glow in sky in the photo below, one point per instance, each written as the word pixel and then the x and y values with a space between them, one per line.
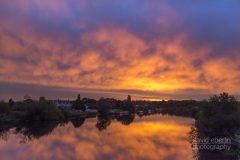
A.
pixel 161 50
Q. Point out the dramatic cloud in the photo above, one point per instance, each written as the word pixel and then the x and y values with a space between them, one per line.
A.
pixel 167 48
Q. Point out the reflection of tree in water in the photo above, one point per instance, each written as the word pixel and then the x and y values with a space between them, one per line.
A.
pixel 217 119
pixel 205 153
pixel 5 131
pixel 29 131
pixel 4 134
pixel 140 115
pixel 126 119
pixel 78 122
pixel 35 130
pixel 103 122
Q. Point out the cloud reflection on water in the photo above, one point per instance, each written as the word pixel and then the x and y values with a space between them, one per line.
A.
pixel 153 137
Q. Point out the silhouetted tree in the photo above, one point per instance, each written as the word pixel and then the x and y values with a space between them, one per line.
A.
pixel 91 103
pixel 78 104
pixel 118 104
pixel 129 98
pixel 224 103
pixel 42 99
pixel 11 102
pixel 103 106
pixel 218 117
pixel 127 105
pixel 27 99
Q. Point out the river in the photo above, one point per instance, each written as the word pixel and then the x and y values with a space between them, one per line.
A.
pixel 153 137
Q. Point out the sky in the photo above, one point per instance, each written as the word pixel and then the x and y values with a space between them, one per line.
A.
pixel 150 49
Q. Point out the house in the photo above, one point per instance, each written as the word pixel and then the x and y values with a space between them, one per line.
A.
pixel 63 104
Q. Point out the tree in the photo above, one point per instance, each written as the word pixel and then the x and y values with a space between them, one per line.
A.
pixel 27 99
pixel 91 103
pixel 118 104
pixel 104 106
pixel 42 99
pixel 78 104
pixel 11 102
pixel 217 117
pixel 219 104
pixel 127 105
pixel 129 98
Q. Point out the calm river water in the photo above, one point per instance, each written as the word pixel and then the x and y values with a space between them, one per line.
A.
pixel 152 137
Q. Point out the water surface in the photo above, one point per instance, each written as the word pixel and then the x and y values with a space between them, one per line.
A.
pixel 151 137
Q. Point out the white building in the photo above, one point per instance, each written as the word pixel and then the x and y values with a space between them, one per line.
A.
pixel 63 104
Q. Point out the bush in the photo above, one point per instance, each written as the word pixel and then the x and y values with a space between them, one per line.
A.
pixel 4 108
pixel 65 113
pixel 41 110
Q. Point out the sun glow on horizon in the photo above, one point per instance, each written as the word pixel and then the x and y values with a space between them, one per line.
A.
pixel 104 50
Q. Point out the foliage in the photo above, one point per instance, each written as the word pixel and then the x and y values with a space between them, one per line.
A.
pixel 32 110
pixel 224 104
pixel 42 110
pixel 91 103
pixel 127 105
pixel 4 108
pixel 103 106
pixel 118 104
pixel 218 117
pixel 65 113
pixel 129 98
pixel 28 101
pixel 11 102
pixel 42 99
pixel 78 104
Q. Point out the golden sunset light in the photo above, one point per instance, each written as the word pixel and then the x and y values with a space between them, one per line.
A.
pixel 119 80
pixel 153 49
